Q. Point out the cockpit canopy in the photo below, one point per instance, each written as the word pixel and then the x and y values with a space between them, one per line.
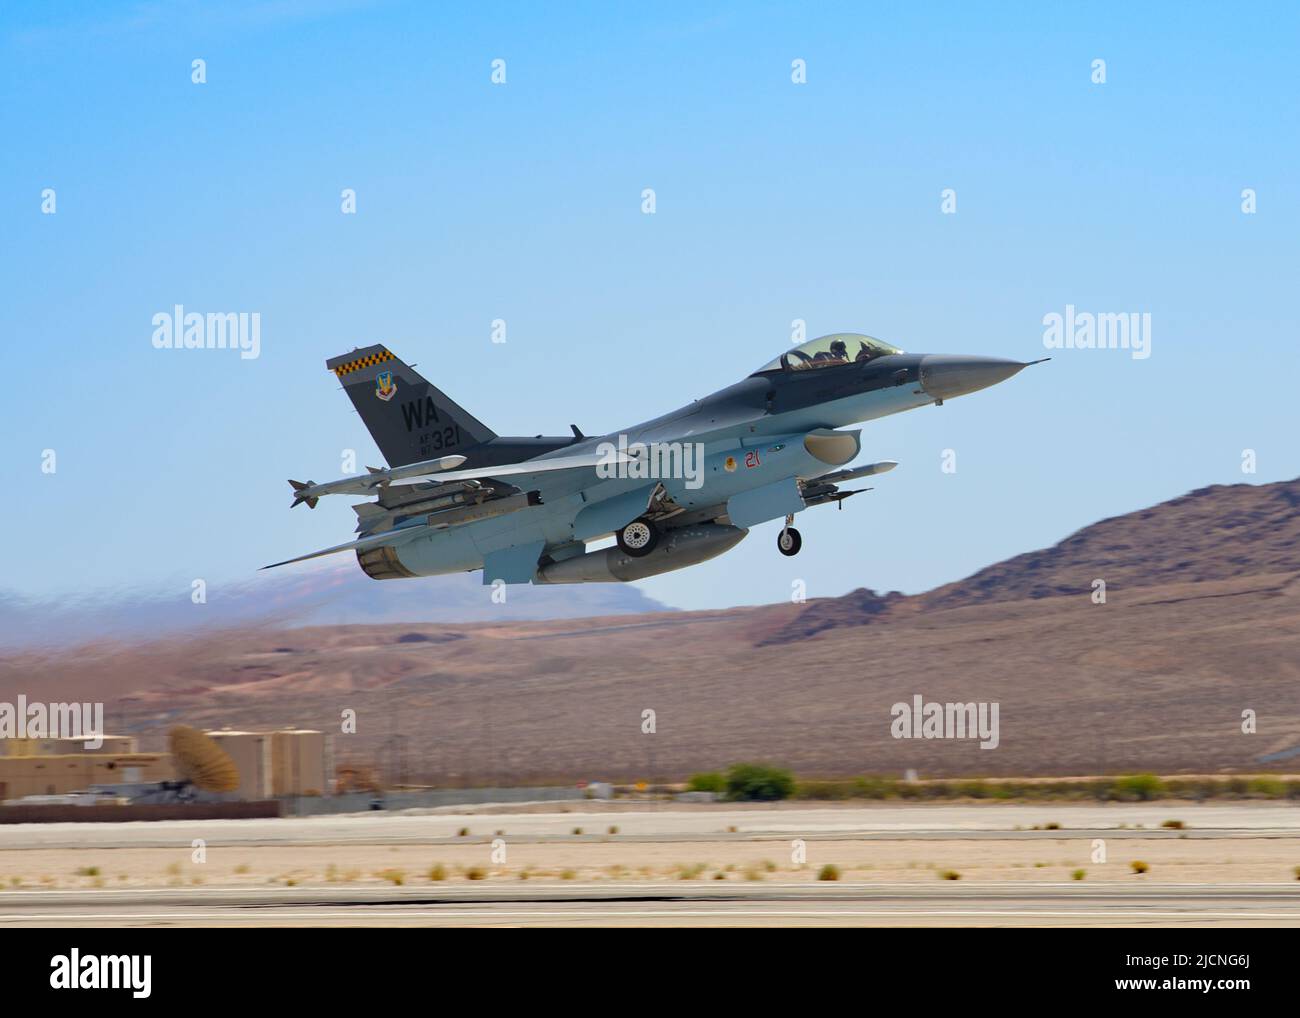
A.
pixel 831 351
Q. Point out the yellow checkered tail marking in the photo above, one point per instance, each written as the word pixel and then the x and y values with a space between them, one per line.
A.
pixel 364 362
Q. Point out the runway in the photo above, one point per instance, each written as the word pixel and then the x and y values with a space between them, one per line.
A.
pixel 590 821
pixel 639 904
pixel 639 864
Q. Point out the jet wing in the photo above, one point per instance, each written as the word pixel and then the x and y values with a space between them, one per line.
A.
pixel 537 466
pixel 440 519
pixel 364 484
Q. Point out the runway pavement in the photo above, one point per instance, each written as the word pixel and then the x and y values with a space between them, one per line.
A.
pixel 609 904
pixel 576 864
pixel 677 823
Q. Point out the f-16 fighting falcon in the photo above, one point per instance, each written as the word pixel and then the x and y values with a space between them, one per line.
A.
pixel 674 491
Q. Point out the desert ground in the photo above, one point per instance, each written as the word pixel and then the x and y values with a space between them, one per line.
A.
pixel 585 864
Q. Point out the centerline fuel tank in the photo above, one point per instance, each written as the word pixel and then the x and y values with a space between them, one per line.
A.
pixel 683 546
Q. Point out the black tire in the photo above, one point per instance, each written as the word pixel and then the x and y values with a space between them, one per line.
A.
pixel 788 541
pixel 638 538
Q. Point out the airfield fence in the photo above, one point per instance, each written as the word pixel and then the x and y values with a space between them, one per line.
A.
pixel 359 802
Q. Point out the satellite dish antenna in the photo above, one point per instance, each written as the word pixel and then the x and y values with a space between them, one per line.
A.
pixel 201 762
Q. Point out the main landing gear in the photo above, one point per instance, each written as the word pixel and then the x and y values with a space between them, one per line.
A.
pixel 638 538
pixel 788 541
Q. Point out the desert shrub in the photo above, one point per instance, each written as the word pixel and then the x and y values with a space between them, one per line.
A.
pixel 873 788
pixel 758 783
pixel 1138 866
pixel 1267 788
pixel 829 872
pixel 1137 787
pixel 707 781
pixel 1078 874
pixel 949 875
pixel 1141 787
pixel 827 790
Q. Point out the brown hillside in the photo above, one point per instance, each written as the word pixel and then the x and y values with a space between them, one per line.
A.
pixel 1201 623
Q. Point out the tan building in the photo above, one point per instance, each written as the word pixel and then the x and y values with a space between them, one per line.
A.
pixel 287 762
pixel 58 774
pixel 112 744
pixel 297 762
pixel 251 752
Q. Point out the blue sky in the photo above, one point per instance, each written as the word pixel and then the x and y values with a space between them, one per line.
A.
pixel 522 201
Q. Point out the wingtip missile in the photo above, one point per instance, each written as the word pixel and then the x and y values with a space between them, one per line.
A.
pixel 870 470
pixel 435 466
pixel 298 497
pixel 375 477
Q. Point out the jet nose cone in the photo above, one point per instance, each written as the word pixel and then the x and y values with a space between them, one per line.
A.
pixel 944 376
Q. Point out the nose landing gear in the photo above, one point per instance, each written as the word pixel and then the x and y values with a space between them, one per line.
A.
pixel 788 541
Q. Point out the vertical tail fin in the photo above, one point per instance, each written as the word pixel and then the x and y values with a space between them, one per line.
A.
pixel 409 418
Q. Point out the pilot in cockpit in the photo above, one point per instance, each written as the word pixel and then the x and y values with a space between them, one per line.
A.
pixel 838 353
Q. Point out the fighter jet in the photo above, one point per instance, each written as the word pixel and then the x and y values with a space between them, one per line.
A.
pixel 674 491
